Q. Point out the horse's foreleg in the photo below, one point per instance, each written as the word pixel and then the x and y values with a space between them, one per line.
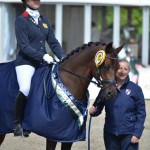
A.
pixel 2 137
pixel 50 145
pixel 66 146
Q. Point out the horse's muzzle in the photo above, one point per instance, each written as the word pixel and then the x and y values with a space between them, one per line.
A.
pixel 109 92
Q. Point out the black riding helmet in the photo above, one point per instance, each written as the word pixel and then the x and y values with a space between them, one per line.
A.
pixel 26 5
pixel 24 1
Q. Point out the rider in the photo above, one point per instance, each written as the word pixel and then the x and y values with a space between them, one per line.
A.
pixel 32 30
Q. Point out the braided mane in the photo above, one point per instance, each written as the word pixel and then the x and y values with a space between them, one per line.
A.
pixel 78 49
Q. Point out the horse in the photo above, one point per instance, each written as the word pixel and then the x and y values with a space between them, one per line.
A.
pixel 76 70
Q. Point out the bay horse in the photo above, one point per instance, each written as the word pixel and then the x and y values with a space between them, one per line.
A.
pixel 76 70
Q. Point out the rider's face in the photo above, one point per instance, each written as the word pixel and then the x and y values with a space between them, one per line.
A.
pixel 35 4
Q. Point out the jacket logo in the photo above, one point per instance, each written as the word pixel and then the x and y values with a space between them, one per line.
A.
pixel 45 25
pixel 128 91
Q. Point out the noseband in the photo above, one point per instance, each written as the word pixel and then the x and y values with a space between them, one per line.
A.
pixel 101 83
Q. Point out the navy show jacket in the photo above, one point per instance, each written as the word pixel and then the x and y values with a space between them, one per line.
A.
pixel 126 113
pixel 31 38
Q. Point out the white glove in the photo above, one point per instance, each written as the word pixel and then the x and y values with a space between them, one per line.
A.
pixel 48 58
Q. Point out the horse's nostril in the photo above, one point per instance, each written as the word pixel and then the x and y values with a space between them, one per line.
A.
pixel 109 92
pixel 109 95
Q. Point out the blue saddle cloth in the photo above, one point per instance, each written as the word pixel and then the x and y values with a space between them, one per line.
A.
pixel 47 117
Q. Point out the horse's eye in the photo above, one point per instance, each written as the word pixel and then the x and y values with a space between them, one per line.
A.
pixel 106 66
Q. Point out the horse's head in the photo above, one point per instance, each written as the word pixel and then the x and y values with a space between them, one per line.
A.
pixel 106 65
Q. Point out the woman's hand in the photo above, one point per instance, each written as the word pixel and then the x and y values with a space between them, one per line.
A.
pixel 134 139
pixel 48 58
pixel 92 110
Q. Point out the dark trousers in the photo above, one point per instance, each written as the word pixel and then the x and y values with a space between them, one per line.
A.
pixel 120 142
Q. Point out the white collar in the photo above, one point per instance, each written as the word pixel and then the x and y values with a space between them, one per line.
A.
pixel 33 13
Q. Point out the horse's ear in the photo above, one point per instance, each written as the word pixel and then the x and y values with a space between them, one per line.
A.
pixel 109 46
pixel 119 48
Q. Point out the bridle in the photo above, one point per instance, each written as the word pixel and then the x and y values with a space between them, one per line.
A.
pixel 99 82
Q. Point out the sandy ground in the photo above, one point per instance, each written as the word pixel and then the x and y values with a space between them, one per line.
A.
pixel 35 142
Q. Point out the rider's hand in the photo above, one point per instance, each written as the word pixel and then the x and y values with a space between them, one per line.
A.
pixel 48 58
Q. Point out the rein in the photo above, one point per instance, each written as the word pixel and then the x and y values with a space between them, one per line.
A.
pixel 96 102
pixel 44 82
pixel 97 83
pixel 89 130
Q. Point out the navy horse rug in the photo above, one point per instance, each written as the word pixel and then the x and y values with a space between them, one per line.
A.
pixel 51 110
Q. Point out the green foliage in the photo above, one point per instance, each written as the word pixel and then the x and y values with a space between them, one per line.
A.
pixel 136 18
pixel 109 16
pixel 99 14
pixel 123 18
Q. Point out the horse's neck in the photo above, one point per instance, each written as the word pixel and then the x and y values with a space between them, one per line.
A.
pixel 76 77
pixel 76 83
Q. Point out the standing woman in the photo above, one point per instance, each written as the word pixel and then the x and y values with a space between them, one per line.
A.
pixel 125 114
pixel 32 30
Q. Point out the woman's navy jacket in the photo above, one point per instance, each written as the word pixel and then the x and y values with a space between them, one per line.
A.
pixel 31 38
pixel 126 113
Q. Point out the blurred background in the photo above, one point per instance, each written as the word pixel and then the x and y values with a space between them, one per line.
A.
pixel 77 22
